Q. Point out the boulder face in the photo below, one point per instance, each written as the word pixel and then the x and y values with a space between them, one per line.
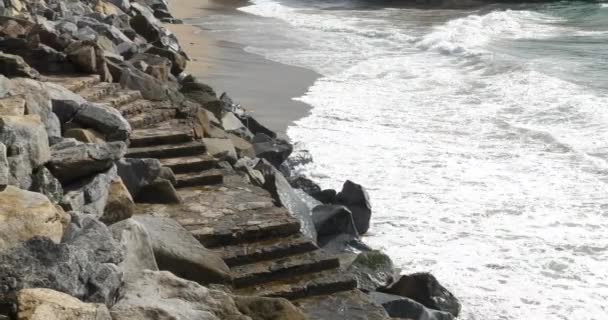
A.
pixel 356 199
pixel 221 148
pixel 90 195
pixel 26 215
pixel 135 242
pixel 402 307
pixel 425 289
pixel 105 120
pixel 176 250
pixel 268 308
pixel 373 269
pixel 333 221
pixel 47 304
pixel 15 66
pixel 273 150
pixel 44 182
pixel 119 205
pixel 138 173
pixel 162 295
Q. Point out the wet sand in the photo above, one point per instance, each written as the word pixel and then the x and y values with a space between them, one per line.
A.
pixel 265 88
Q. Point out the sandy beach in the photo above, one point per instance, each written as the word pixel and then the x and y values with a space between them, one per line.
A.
pixel 265 88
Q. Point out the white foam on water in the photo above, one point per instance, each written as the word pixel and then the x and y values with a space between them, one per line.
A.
pixel 481 169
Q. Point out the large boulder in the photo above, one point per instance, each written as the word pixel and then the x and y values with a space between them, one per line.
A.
pixel 221 148
pixel 47 304
pixel 72 160
pixel 150 87
pixel 402 307
pixel 273 150
pixel 351 305
pixel 12 106
pixel 91 195
pixel 254 126
pixel 26 215
pixel 156 66
pixel 138 173
pixel 103 119
pixel 119 205
pixel 44 182
pixel 135 242
pixel 27 146
pixel 162 295
pixel 232 124
pixel 356 199
pixel 159 191
pixel 304 184
pixel 178 60
pixel 176 250
pixel 335 226
pixel 373 269
pixel 88 56
pixel 261 308
pixel 15 66
pixel 425 289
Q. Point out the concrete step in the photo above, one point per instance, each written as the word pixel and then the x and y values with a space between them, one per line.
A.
pixel 283 268
pixel 303 286
pixel 151 117
pixel 73 82
pixel 99 91
pixel 136 107
pixel 158 136
pixel 204 178
pixel 183 149
pixel 121 97
pixel 245 253
pixel 190 164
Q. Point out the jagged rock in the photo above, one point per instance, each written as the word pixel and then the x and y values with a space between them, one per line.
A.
pixel 27 146
pixel 47 304
pixel 150 87
pixel 273 150
pixel 373 269
pixel 221 148
pixel 84 135
pixel 304 184
pixel 254 126
pixel 135 242
pixel 232 124
pixel 162 295
pixel 26 215
pixel 159 191
pixel 333 221
pixel 261 308
pixel 402 307
pixel 90 196
pixel 178 61
pixel 15 66
pixel 4 169
pixel 137 173
pixel 73 161
pixel 104 119
pixel 44 182
pixel 156 66
pixel 425 289
pixel 243 147
pixel 119 205
pixel 355 198
pixel 176 250
pixel 88 56
pixel 12 106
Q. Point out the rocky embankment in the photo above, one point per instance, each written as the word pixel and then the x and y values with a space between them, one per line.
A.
pixel 129 190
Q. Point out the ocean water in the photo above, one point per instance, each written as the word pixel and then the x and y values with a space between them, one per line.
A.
pixel 481 135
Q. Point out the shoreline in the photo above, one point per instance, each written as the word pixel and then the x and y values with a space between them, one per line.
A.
pixel 250 78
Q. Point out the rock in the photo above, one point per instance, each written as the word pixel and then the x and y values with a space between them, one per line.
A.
pixel 273 150
pixel 159 191
pixel 4 169
pixel 15 66
pixel 243 147
pixel 232 124
pixel 304 184
pixel 162 295
pixel 327 196
pixel 90 195
pixel 84 135
pixel 119 204
pixel 332 221
pixel 26 215
pixel 373 269
pixel 176 250
pixel 47 304
pixel 12 106
pixel 202 124
pixel 401 307
pixel 425 289
pixel 27 146
pixel 106 120
pixel 44 182
pixel 135 242
pixel 356 199
pixel 15 28
pixel 71 162
pixel 86 34
pixel 150 87
pixel 178 61
pixel 351 305
pixel 261 308
pixel 156 66
pixel 83 55
pixel 221 148
pixel 137 173
pixel 254 126
pixel 106 8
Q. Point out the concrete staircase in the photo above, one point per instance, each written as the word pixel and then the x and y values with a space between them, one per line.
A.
pixel 260 242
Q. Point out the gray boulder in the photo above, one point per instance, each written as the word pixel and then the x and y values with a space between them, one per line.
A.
pixel 373 269
pixel 232 124
pixel 178 60
pixel 137 173
pixel 15 66
pixel 135 242
pixel 356 199
pixel 221 148
pixel 72 160
pixel 150 87
pixel 90 196
pixel 103 119
pixel 425 289
pixel 44 182
pixel 402 307
pixel 334 222
pixel 159 191
pixel 176 250
pixel 273 150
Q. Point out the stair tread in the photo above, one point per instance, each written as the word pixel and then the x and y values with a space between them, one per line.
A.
pixel 207 177
pixel 136 106
pixel 159 136
pixel 305 285
pixel 121 97
pixel 266 271
pixel 267 249
pixel 166 150
pixel 171 162
pixel 98 91
pixel 73 82
pixel 151 117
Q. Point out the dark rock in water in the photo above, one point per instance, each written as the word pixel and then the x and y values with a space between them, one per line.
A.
pixel 44 182
pixel 15 66
pixel 356 199
pixel 331 221
pixel 373 269
pixel 305 184
pixel 327 196
pixel 137 173
pixel 425 289
pixel 402 307
pixel 273 150
pixel 176 250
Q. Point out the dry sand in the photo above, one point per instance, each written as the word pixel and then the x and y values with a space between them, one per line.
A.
pixel 263 87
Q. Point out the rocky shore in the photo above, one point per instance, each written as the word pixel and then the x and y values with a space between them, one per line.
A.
pixel 131 190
